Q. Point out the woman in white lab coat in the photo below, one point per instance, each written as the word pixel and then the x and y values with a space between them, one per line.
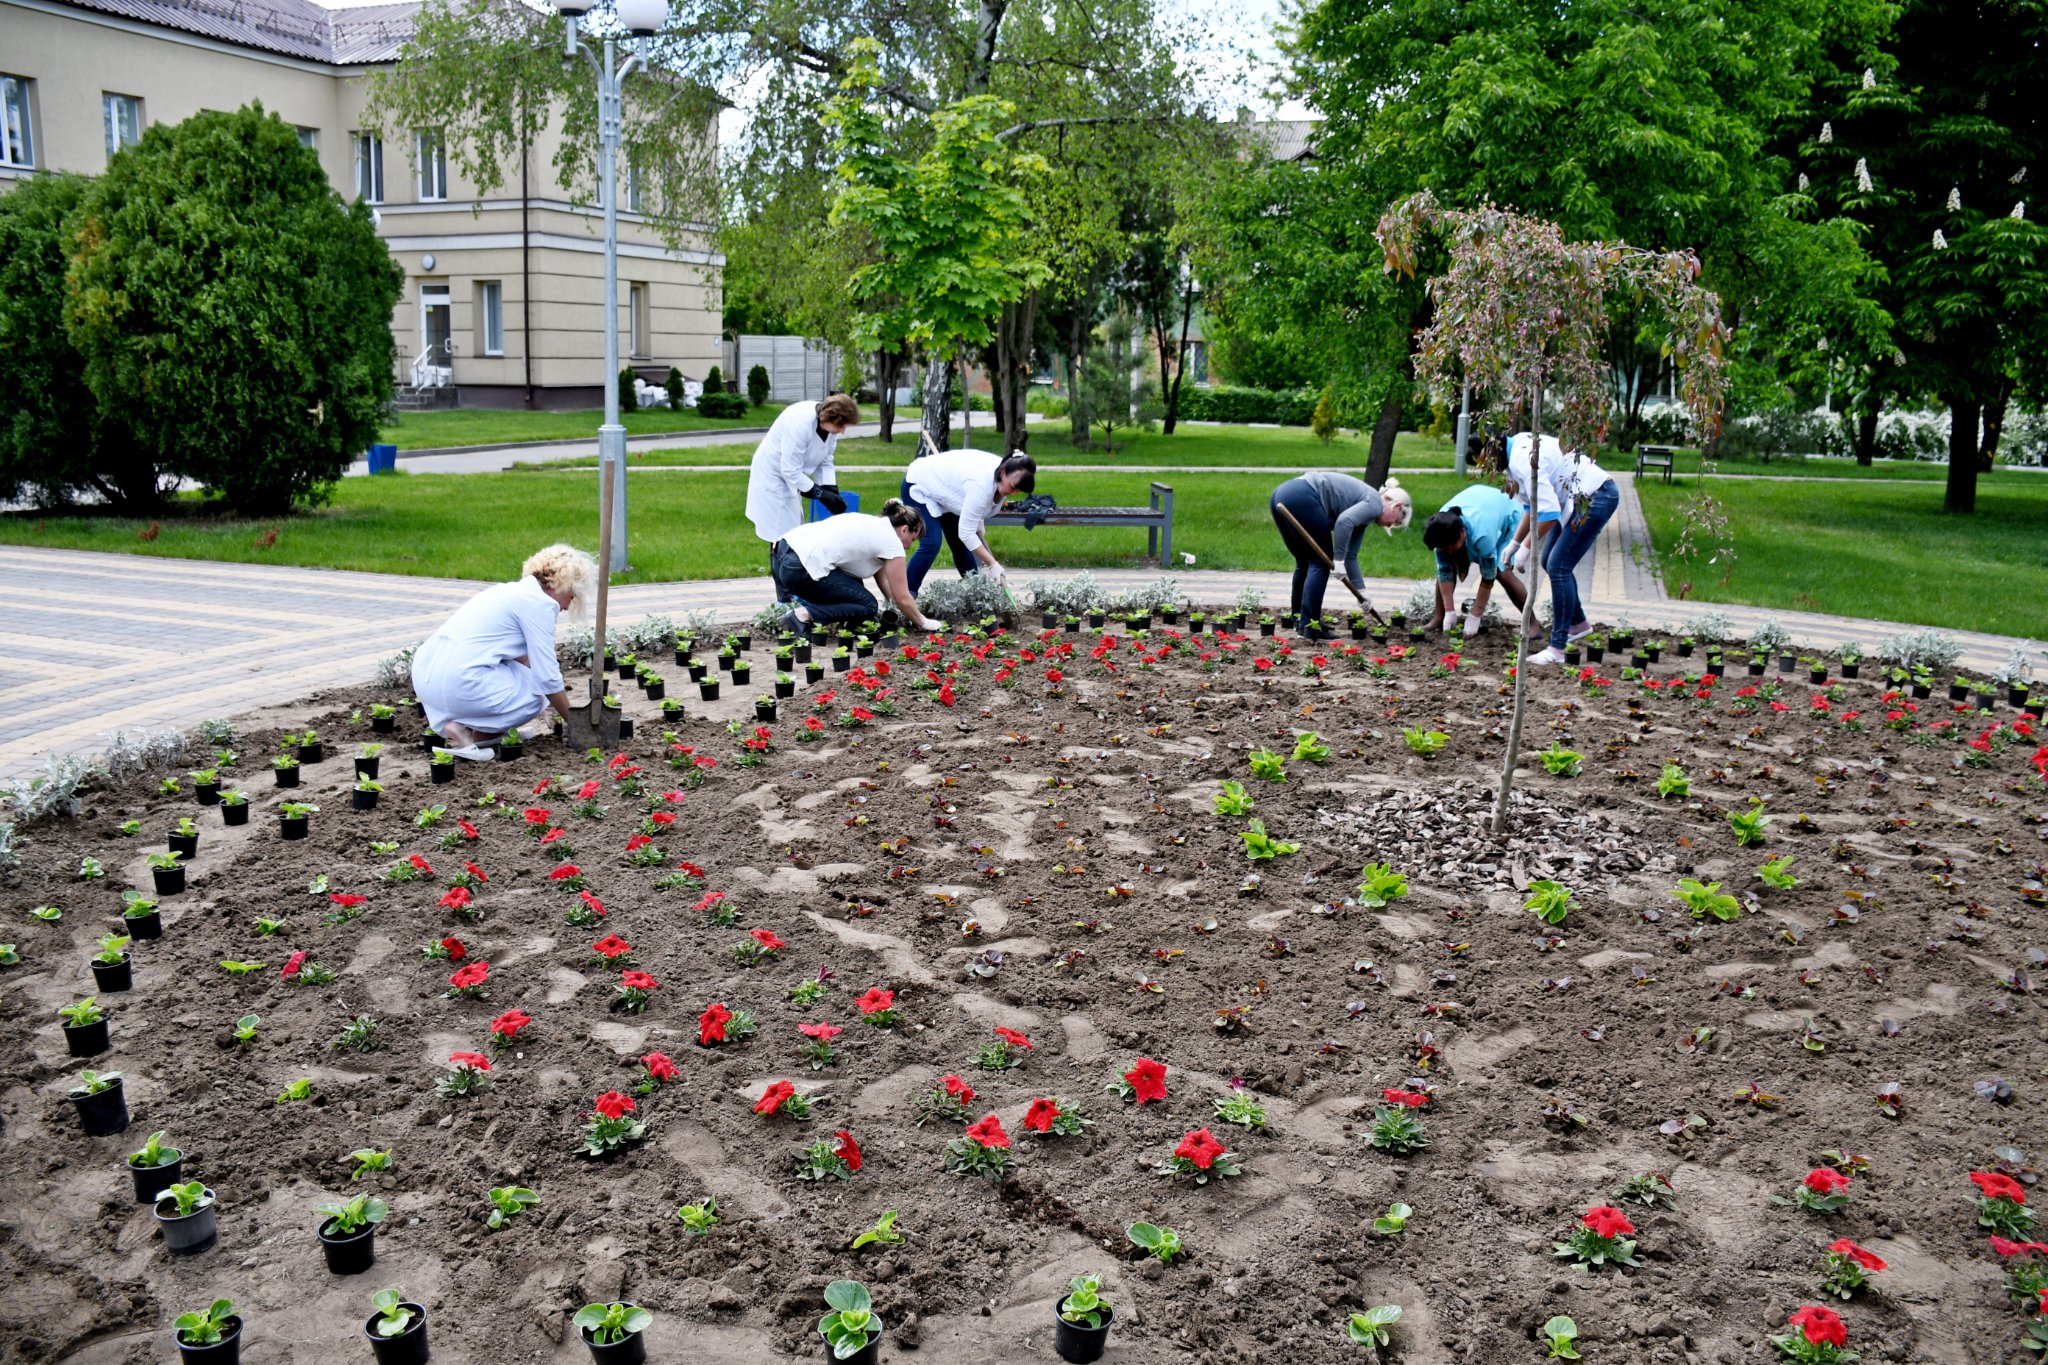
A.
pixel 793 463
pixel 492 666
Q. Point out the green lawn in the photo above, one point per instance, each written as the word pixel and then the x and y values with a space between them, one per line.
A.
pixel 1875 550
pixel 487 426
pixel 1792 466
pixel 684 525
pixel 1199 447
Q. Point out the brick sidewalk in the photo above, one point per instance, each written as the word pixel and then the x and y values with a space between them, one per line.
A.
pixel 93 642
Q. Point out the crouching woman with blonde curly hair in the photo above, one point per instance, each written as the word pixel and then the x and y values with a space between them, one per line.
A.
pixel 492 666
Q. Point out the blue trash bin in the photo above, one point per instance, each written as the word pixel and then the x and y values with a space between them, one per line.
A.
pixel 383 459
pixel 819 511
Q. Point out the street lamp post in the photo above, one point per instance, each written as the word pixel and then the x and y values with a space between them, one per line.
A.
pixel 640 18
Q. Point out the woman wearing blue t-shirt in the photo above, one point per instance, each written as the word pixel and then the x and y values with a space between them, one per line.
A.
pixel 1475 528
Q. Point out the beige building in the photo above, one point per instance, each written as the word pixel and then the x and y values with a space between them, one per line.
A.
pixel 504 296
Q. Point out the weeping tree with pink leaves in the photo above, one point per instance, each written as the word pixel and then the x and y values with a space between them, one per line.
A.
pixel 1522 315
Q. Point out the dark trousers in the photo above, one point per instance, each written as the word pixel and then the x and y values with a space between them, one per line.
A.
pixel 937 526
pixel 781 593
pixel 1311 579
pixel 838 596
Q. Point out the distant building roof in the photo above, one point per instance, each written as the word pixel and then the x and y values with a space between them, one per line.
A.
pixel 292 28
pixel 1285 139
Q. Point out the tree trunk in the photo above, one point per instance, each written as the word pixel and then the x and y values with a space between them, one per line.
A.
pixel 938 403
pixel 887 365
pixel 1077 349
pixel 1380 460
pixel 1180 363
pixel 1011 376
pixel 1866 433
pixel 1961 495
pixel 1507 769
pixel 1994 425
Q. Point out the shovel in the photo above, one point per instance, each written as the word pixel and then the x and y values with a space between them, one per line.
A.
pixel 1323 558
pixel 591 725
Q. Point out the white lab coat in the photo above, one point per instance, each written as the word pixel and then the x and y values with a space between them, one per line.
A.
pixel 1565 476
pixel 789 462
pixel 469 672
pixel 962 482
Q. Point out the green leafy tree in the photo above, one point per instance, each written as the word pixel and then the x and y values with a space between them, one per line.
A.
pixel 234 308
pixel 55 439
pixel 1110 390
pixel 758 385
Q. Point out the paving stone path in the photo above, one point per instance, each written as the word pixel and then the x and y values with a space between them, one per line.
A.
pixel 92 642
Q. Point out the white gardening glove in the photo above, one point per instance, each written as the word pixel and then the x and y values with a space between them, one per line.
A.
pixel 998 573
pixel 1518 558
pixel 930 626
pixel 1472 622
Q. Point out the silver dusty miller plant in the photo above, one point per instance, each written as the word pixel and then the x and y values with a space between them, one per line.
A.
pixel 963 601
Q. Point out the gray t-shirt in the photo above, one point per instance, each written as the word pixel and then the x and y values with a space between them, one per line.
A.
pixel 1353 505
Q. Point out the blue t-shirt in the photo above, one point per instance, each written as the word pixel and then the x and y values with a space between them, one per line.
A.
pixel 1490 518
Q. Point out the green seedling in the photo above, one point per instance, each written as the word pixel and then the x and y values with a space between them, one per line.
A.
pixel 1424 742
pixel 1396 1130
pixel 1241 1109
pixel 1704 899
pixel 82 1014
pixel 350 1216
pixel 1309 748
pixel 1748 825
pixel 48 914
pixel 207 1328
pixel 852 1323
pixel 699 1218
pixel 1775 875
pixel 153 1154
pixel 1261 847
pixel 90 869
pixel 1084 1305
pixel 1550 901
pixel 113 947
pixel 131 828
pixel 368 1160
pixel 883 1233
pixel 508 1202
pixel 1267 766
pixel 1559 761
pixel 1160 1242
pixel 393 1318
pixel 1374 1326
pixel 1382 886
pixel 1673 782
pixel 1232 800
pixel 295 1091
pixel 187 1198
pixel 239 967
pixel 1391 1223
pixel 245 1028
pixel 269 927
pixel 358 1035
pixel 1559 1334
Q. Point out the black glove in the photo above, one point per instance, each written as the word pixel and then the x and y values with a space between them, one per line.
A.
pixel 829 494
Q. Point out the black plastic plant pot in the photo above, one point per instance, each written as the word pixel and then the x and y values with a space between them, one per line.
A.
pixel 2034 709
pixel 1685 650
pixel 728 662
pixel 744 641
pixel 86 1040
pixel 226 1351
pixel 429 741
pixel 2016 697
pixel 707 690
pixel 1267 627
pixel 141 927
pixel 206 793
pixel 349 1253
pixel 1170 615
pixel 1654 653
pixel 1076 1341
pixel 312 753
pixel 234 813
pixel 1639 659
pixel 383 725
pixel 1756 668
pixel 193 1233
pixel 742 674
pixel 109 977
pixel 1074 627
pixel 1417 634
pixel 441 774
pixel 682 658
pixel 870 1354
pixel 184 845
pixel 367 767
pixel 509 753
pixel 1595 653
pixel 408 1347
pixel 814 673
pixel 1787 662
pixel 1359 631
pixel 631 1350
pixel 785 689
pixel 697 670
pixel 864 651
pixel 1958 691
pixel 1816 676
pixel 1287 620
pixel 841 662
pixel 802 652
pixel 169 880
pixel 286 777
pixel 1049 619
pixel 362 800
pixel 1571 656
pixel 764 712
pixel 672 710
pixel 1716 668
pixel 1851 670
pixel 625 727
pixel 294 826
pixel 656 691
pixel 1095 620
pixel 104 1114
pixel 151 1181
pixel 1922 690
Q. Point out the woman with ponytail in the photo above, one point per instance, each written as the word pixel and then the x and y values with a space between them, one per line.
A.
pixel 955 492
pixel 820 567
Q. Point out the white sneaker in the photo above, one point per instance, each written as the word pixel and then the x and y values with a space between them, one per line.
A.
pixel 475 753
pixel 1579 632
pixel 1550 655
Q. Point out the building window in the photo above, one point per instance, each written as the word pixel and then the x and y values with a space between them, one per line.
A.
pixel 124 121
pixel 490 317
pixel 369 168
pixel 632 197
pixel 309 138
pixel 432 156
pixel 17 138
pixel 639 321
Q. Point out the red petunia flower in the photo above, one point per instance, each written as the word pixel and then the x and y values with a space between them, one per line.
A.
pixel 508 1024
pixel 596 905
pixel 553 834
pixel 537 815
pixel 637 981
pixel 1148 1080
pixel 1996 1186
pixel 347 900
pixel 774 1096
pixel 823 1033
pixel 456 899
pixel 690 868
pixel 961 1091
pixel 1821 1326
pixel 613 1105
pixel 637 841
pixel 2005 1246
pixel 1607 1221
pixel 1407 1099
pixel 1821 1180
pixel 1869 1260
pixel 470 974
pixel 611 945
pixel 421 863
pixel 711 1023
pixel 455 948
pixel 293 963
pixel 847 1149
pixel 660 1066
pixel 1013 1038
pixel 473 870
pixel 1039 1117
pixel 564 872
pixel 874 1000
pixel 1200 1147
pixel 475 1061
pixel 988 1131
pixel 766 938
pixel 587 790
pixel 470 832
pixel 663 817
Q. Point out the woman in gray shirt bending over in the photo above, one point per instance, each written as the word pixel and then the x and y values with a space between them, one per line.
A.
pixel 1333 510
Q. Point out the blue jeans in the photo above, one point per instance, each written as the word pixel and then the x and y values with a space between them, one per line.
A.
pixel 1311 579
pixel 1568 545
pixel 838 596
pixel 938 526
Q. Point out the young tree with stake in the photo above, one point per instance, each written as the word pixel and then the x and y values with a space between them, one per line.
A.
pixel 1522 313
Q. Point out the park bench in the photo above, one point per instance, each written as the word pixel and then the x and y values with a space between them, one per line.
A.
pixel 1157 519
pixel 1654 457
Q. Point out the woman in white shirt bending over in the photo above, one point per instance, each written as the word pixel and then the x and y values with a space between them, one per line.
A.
pixel 492 666
pixel 955 492
pixel 820 567
pixel 1571 499
pixel 793 465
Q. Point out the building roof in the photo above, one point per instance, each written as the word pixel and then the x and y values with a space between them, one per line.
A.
pixel 1287 139
pixel 292 28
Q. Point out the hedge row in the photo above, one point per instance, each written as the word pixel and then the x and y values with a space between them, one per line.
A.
pixel 1247 405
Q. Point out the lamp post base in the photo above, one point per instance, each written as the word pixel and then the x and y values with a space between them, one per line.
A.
pixel 611 461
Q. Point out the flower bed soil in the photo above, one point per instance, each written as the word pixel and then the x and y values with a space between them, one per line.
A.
pixel 1112 780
